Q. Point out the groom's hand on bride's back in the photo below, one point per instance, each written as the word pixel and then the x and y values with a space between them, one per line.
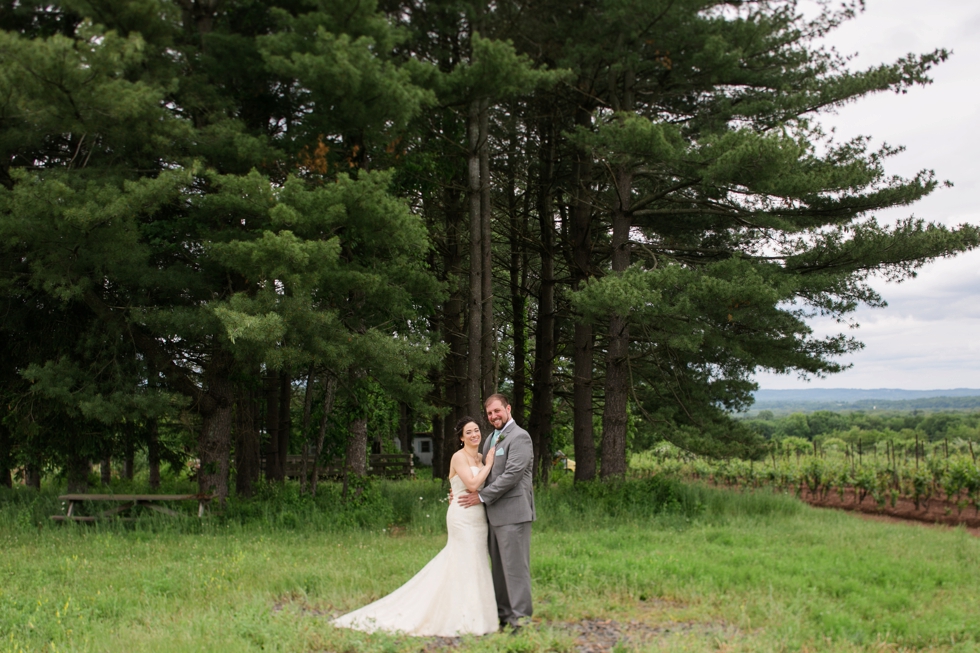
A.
pixel 469 499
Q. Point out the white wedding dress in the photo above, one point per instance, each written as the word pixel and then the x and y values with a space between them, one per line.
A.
pixel 452 595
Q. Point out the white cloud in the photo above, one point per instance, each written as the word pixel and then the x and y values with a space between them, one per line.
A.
pixel 929 335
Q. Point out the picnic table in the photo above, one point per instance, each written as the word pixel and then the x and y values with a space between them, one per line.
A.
pixel 127 502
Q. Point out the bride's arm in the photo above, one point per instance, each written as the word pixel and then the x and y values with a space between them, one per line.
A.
pixel 470 480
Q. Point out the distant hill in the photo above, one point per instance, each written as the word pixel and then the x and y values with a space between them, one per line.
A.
pixel 851 399
pixel 855 394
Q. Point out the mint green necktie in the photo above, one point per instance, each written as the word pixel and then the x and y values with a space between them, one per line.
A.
pixel 493 440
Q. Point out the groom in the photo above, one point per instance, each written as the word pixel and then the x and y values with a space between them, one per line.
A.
pixel 509 500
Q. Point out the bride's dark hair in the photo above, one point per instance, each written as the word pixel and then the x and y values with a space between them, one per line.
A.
pixel 460 425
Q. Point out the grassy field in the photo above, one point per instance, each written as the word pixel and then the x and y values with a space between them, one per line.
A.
pixel 648 565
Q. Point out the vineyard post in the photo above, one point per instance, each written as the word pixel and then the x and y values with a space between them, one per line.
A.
pixel 946 451
pixel 916 451
pixel 970 442
pixel 860 454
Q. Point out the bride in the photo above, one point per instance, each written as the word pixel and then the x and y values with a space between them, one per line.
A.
pixel 453 594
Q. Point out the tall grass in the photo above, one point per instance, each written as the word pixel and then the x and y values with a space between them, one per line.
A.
pixel 414 506
pixel 708 568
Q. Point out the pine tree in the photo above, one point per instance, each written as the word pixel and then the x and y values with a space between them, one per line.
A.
pixel 732 216
pixel 209 179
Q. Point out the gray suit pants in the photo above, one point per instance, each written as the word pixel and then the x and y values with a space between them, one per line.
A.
pixel 510 557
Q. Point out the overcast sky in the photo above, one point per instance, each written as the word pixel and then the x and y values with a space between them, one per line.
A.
pixel 929 335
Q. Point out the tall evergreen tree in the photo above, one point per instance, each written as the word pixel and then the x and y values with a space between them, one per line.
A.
pixel 209 179
pixel 230 197
pixel 732 216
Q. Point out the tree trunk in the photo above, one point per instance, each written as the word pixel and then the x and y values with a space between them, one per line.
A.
pixel 518 298
pixel 247 440
pixel 77 472
pixel 454 378
pixel 129 460
pixel 582 372
pixel 305 430
pixel 214 449
pixel 6 458
pixel 488 340
pixel 438 445
pixel 444 383
pixel 474 374
pixel 617 355
pixel 357 447
pixel 273 469
pixel 32 475
pixel 153 452
pixel 214 443
pixel 542 414
pixel 447 441
pixel 455 401
pixel 442 398
pixel 406 426
pixel 105 470
pixel 329 394
pixel 285 416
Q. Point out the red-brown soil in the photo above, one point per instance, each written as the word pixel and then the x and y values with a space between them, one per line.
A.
pixel 931 511
pixel 936 511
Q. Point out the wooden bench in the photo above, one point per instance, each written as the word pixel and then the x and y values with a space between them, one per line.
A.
pixel 128 501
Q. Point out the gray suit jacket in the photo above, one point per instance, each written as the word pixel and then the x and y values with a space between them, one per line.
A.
pixel 508 493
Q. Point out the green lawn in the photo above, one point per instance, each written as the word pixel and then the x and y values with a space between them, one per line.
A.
pixel 672 567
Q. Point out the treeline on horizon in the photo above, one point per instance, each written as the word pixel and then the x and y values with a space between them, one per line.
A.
pixel 886 405
pixel 823 427
pixel 234 231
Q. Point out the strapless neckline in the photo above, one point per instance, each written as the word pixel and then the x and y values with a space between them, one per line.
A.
pixel 457 483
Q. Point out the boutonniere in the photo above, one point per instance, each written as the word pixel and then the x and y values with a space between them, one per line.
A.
pixel 498 447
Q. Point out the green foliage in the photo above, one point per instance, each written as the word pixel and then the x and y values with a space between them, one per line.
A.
pixel 869 428
pixel 744 217
pixel 756 569
pixel 873 464
pixel 204 193
pixel 198 194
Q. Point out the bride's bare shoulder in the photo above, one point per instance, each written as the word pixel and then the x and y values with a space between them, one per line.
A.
pixel 457 457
